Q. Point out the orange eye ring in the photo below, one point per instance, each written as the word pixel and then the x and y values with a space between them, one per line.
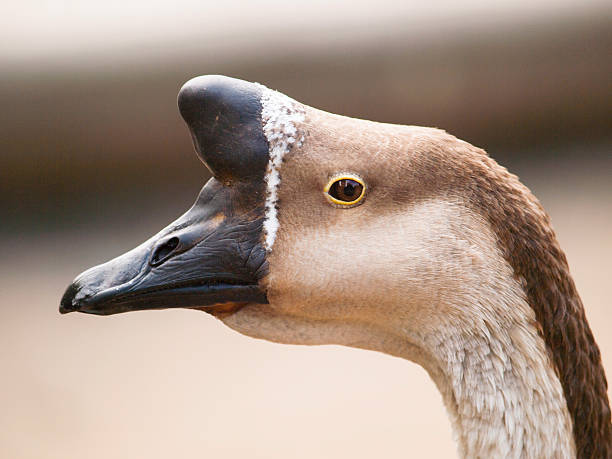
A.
pixel 345 190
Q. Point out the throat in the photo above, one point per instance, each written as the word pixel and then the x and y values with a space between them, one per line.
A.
pixel 503 395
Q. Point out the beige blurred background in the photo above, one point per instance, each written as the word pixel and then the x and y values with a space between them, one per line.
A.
pixel 95 159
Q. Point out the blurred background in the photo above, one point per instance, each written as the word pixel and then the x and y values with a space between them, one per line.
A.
pixel 95 159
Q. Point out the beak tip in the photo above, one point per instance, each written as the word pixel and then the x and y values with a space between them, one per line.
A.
pixel 68 303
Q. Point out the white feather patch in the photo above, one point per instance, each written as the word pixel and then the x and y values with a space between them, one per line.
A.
pixel 280 116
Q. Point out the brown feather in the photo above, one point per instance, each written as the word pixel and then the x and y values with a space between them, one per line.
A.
pixel 529 244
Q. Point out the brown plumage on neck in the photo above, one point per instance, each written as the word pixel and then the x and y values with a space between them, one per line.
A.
pixel 528 243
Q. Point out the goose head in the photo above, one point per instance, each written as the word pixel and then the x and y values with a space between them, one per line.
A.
pixel 322 229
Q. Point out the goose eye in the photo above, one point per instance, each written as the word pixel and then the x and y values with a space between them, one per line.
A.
pixel 345 190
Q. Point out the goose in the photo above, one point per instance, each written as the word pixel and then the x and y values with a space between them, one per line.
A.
pixel 317 228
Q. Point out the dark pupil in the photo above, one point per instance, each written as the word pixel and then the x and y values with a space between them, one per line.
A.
pixel 346 190
pixel 349 189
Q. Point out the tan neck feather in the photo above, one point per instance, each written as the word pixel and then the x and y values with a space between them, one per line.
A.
pixel 467 324
pixel 529 245
pixel 501 391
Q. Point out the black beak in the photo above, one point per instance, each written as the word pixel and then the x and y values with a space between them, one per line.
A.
pixel 212 255
pixel 207 257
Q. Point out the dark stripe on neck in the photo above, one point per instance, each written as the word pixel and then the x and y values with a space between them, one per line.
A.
pixel 529 245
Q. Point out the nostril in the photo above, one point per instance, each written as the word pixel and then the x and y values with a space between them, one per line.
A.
pixel 163 251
